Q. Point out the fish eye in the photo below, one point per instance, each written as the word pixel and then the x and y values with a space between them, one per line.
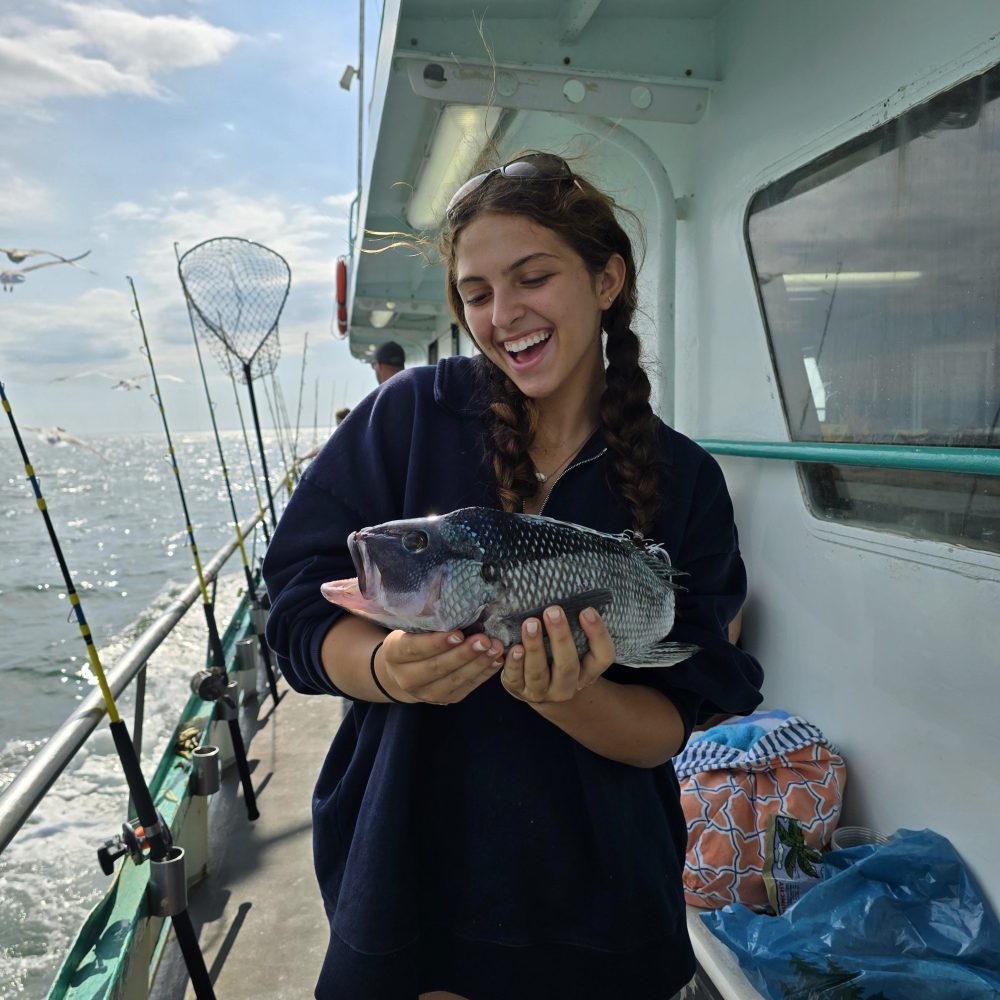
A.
pixel 415 541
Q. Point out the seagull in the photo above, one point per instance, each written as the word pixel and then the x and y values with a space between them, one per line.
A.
pixel 15 275
pixel 17 256
pixel 58 435
pixel 120 383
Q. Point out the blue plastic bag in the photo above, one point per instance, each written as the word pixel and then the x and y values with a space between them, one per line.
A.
pixel 904 921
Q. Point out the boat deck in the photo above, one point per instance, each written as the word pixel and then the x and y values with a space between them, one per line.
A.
pixel 258 915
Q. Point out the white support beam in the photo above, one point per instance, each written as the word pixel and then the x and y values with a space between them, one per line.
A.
pixel 452 80
pixel 574 17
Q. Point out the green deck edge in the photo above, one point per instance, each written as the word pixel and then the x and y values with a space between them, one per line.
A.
pixel 99 963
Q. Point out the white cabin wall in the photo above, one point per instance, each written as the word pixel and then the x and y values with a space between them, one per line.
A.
pixel 888 644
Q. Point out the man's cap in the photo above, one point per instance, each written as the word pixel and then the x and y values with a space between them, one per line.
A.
pixel 390 353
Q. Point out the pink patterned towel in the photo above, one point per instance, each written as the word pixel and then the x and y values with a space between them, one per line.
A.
pixel 732 778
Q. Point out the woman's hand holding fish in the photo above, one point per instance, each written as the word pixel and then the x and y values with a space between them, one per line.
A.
pixel 529 675
pixel 439 668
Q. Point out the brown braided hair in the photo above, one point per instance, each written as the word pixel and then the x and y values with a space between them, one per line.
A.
pixel 584 218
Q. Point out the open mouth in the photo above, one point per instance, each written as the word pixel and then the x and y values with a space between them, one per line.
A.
pixel 524 350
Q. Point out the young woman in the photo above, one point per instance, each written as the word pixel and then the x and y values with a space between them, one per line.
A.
pixel 496 824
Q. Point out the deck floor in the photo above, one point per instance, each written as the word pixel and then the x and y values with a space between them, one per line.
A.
pixel 258 915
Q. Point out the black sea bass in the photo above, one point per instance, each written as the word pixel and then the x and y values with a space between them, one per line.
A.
pixel 484 570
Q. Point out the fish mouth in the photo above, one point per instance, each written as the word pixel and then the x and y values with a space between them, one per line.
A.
pixel 358 558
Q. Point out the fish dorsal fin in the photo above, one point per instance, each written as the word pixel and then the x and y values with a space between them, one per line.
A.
pixel 655 556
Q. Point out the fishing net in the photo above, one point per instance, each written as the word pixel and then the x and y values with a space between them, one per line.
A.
pixel 237 289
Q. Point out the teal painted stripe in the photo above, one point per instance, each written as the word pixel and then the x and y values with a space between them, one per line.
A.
pixel 970 461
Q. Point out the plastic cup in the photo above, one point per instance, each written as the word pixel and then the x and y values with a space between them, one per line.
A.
pixel 855 836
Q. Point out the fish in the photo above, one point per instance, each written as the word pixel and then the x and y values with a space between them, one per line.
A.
pixel 484 570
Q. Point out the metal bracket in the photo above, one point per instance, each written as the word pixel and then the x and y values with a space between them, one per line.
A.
pixel 452 80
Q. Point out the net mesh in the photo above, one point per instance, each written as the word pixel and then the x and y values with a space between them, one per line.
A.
pixel 237 289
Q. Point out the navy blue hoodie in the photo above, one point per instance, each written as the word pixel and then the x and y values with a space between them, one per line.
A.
pixel 481 822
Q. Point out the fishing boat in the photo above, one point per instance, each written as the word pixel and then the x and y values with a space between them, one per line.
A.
pixel 818 191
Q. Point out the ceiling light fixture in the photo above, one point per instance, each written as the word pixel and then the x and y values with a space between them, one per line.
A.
pixel 463 132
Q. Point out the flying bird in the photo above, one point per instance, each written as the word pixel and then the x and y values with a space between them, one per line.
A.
pixel 15 275
pixel 17 256
pixel 120 383
pixel 59 435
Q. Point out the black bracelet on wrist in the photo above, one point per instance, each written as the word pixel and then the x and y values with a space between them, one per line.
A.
pixel 378 683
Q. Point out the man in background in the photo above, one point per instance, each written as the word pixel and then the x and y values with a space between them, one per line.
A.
pixel 389 359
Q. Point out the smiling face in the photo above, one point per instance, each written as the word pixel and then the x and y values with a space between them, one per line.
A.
pixel 532 306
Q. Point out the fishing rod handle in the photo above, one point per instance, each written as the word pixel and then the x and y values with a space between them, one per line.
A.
pixel 157 837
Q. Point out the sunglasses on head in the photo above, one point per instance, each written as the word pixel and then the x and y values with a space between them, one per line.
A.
pixel 531 166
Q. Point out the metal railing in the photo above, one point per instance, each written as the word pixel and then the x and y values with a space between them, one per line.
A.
pixel 968 461
pixel 20 798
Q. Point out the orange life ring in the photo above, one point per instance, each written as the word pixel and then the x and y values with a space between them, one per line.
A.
pixel 341 281
pixel 342 294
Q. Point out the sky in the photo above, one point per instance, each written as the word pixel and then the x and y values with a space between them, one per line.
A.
pixel 128 127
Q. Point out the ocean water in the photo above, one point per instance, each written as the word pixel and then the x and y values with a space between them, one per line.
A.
pixel 121 527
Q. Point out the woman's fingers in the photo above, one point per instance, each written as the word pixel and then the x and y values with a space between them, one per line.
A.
pixel 565 668
pixel 601 648
pixel 434 667
pixel 543 675
pixel 536 674
pixel 535 667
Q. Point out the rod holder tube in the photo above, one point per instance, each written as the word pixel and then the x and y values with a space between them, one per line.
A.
pixel 247 663
pixel 258 616
pixel 226 706
pixel 206 776
pixel 168 884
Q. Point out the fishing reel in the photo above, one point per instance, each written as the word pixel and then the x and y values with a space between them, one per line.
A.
pixel 133 841
pixel 210 685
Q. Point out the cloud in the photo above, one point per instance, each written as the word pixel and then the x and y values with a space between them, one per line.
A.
pixel 129 211
pixel 339 200
pixel 23 200
pixel 308 237
pixel 99 51
pixel 96 327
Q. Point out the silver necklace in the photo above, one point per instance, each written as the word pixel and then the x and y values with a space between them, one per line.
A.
pixel 544 477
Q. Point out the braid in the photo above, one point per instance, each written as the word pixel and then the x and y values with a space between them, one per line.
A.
pixel 510 419
pixel 638 470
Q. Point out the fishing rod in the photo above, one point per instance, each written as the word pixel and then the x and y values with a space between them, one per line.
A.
pixel 215 643
pixel 252 591
pixel 302 387
pixel 166 859
pixel 209 685
pixel 246 441
pixel 316 413
pixel 283 427
pixel 271 407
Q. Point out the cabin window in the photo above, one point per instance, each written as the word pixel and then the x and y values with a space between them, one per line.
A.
pixel 878 270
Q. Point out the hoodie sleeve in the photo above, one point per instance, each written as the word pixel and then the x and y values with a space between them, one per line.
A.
pixel 720 678
pixel 357 479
